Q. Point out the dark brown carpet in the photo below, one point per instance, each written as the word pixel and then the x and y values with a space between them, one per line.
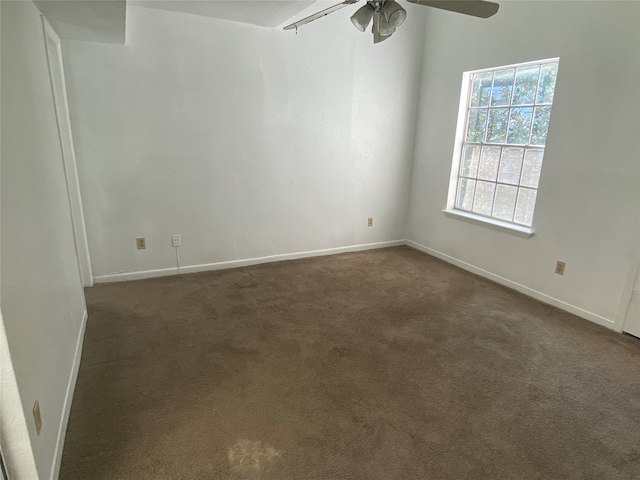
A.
pixel 386 364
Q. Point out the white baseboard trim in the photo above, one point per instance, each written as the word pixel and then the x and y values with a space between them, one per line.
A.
pixel 68 398
pixel 126 276
pixel 605 322
pixel 119 277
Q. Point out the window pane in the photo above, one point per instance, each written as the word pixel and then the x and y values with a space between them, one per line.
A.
pixel 502 86
pixel 466 189
pixel 531 168
pixel 489 159
pixel 497 129
pixel 524 92
pixel 505 202
pixel 540 125
pixel 510 165
pixel 483 203
pixel 508 114
pixel 548 75
pixel 476 124
pixel 470 160
pixel 524 206
pixel 481 89
pixel 520 125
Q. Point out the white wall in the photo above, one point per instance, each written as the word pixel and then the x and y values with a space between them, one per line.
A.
pixel 588 202
pixel 247 141
pixel 14 434
pixel 41 298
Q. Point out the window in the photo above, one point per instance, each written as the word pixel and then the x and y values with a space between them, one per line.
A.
pixel 501 137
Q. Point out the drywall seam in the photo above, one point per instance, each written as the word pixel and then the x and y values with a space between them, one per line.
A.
pixel 119 277
pixel 68 398
pixel 605 322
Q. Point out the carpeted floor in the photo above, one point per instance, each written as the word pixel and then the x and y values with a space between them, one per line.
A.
pixel 386 364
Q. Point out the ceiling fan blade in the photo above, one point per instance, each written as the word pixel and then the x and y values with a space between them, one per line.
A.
pixel 476 8
pixel 320 14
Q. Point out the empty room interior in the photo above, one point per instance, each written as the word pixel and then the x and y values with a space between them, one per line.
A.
pixel 245 240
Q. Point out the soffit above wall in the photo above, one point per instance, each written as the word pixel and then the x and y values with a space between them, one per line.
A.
pixel 101 21
pixel 104 21
pixel 265 13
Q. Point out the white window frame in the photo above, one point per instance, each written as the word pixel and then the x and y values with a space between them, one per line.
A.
pixel 461 131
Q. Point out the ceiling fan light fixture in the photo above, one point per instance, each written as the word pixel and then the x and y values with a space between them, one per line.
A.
pixel 362 17
pixel 378 17
pixel 384 27
pixel 388 15
pixel 394 13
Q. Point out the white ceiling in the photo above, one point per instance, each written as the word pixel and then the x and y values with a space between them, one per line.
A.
pixel 105 20
pixel 265 13
pixel 96 21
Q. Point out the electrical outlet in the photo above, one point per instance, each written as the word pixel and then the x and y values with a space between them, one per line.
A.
pixel 370 222
pixel 140 243
pixel 37 418
pixel 560 267
pixel 176 241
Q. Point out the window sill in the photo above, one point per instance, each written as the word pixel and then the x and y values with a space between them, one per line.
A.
pixel 505 227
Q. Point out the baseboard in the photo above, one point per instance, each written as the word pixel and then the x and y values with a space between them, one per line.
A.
pixel 68 398
pixel 119 277
pixel 605 322
pixel 593 317
pixel 126 276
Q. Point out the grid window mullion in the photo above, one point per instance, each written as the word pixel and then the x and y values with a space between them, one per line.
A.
pixel 524 155
pixel 493 79
pixel 475 192
pixel 513 89
pixel 495 188
pixel 513 217
pixel 513 213
pixel 533 113
pixel 506 140
pixel 486 123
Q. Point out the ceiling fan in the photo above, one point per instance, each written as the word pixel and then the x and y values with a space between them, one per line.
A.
pixel 387 14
